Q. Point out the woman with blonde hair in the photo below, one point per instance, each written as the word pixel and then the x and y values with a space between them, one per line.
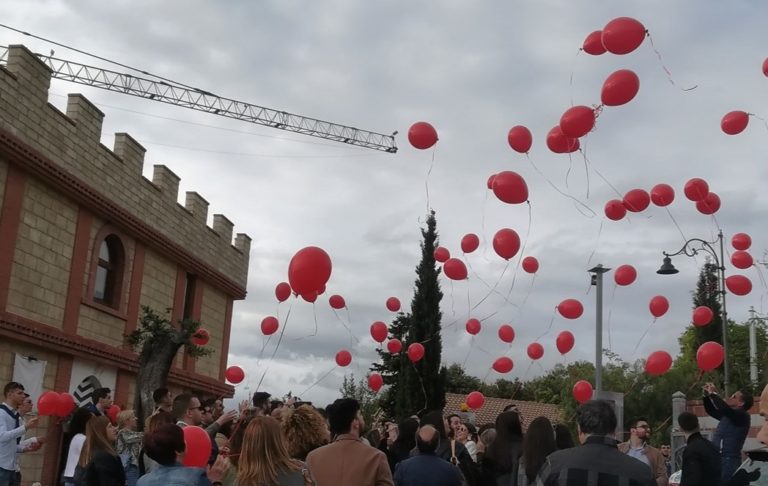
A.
pixel 129 445
pixel 99 463
pixel 264 459
pixel 304 430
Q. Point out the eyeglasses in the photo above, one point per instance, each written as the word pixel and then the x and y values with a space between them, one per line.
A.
pixel 196 408
pixel 645 426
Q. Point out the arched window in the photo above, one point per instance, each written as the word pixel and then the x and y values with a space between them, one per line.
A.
pixel 109 272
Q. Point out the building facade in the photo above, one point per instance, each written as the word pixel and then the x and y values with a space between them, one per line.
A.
pixel 86 241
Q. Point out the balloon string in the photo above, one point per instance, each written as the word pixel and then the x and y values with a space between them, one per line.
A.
pixel 466 358
pixel 642 337
pixel 530 288
pixel 765 123
pixel 760 275
pixel 482 228
pixel 584 156
pixel 349 330
pixel 610 313
pixel 597 242
pixel 423 389
pixel 314 314
pixel 325 375
pixel 679 229
pixel 568 173
pixel 601 175
pixel 551 321
pixel 279 340
pixel 522 250
pixel 668 73
pixel 572 71
pixel 429 173
pixel 575 200
pixel 493 289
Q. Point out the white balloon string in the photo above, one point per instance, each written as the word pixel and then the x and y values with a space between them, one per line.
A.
pixel 466 358
pixel 522 250
pixel 568 173
pixel 586 167
pixel 493 289
pixel 482 228
pixel 597 242
pixel 575 200
pixel 760 276
pixel 592 166
pixel 549 328
pixel 527 294
pixel 429 173
pixel 765 123
pixel 573 63
pixel 423 389
pixel 666 71
pixel 679 229
pixel 349 329
pixel 325 375
pixel 642 337
pixel 314 314
pixel 279 340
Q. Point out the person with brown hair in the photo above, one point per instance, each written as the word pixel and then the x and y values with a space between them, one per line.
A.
pixel 264 459
pixel 305 430
pixel 100 464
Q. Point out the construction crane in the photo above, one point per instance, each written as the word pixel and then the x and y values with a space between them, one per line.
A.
pixel 196 99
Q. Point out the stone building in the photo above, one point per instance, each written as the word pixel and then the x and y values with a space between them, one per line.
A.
pixel 85 242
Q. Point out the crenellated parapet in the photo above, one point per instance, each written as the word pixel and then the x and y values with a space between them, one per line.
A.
pixel 72 141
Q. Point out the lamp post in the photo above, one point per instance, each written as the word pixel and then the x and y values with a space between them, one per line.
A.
pixel 597 280
pixel 692 248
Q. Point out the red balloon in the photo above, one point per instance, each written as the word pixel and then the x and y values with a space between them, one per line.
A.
pixel 442 254
pixel 636 200
pixel 337 302
pixel 558 143
pixel 530 264
pixel 625 275
pixel 379 331
pixel 282 291
pixel 765 66
pixel 577 121
pixel 582 391
pixel 111 413
pixel 570 309
pixel 506 243
pixel 489 183
pixel 198 446
pixel 455 269
pixel 469 243
pixel 309 270
pixel 510 187
pixel 535 351
pixel 615 210
pixel 375 381
pixel 658 363
pixel 662 195
pixel 321 291
pixel 593 44
pixel 473 326
pixel 659 305
pixel 696 189
pixel 506 333
pixel 734 122
pixel 738 284
pixel 475 400
pixel 310 297
pixel 65 404
pixel 415 352
pixel 393 304
pixel 623 35
pixel 234 374
pixel 620 88
pixel 709 205
pixel 394 346
pixel 741 259
pixel 343 358
pixel 702 315
pixel 709 356
pixel 201 337
pixel 48 403
pixel 520 139
pixel 503 365
pixel 741 241
pixel 422 135
pixel 565 342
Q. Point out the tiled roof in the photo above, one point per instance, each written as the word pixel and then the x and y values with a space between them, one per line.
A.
pixel 493 407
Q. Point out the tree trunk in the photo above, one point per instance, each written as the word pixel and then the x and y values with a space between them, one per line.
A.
pixel 155 361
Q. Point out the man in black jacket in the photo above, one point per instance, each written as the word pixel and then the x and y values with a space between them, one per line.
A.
pixel 701 462
pixel 597 461
pixel 733 428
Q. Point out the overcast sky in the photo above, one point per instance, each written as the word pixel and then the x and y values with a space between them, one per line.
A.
pixel 473 70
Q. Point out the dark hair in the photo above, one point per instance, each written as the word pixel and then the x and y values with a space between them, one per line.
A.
pixel 14 385
pixel 208 403
pixel 79 420
pixel 563 437
pixel 632 424
pixel 163 443
pixel 509 407
pixel 261 400
pixel 453 415
pixel 273 404
pixel 159 394
pixel 747 398
pixel 539 442
pixel 236 439
pixel 427 446
pixel 180 405
pixel 159 419
pixel 436 420
pixel 508 445
pixel 341 414
pixel 688 422
pixel 406 437
pixel 596 417
pixel 100 393
pixel 471 431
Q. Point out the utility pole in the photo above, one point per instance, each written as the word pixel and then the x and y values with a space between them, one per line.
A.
pixel 753 320
pixel 597 280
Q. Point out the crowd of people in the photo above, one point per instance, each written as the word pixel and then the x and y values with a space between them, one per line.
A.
pixel 290 443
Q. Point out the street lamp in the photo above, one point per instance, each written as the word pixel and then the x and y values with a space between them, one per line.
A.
pixel 597 280
pixel 692 248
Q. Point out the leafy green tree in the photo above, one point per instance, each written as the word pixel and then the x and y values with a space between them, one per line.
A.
pixel 458 381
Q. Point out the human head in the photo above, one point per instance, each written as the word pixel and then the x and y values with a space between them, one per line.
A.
pixel 762 435
pixel 511 407
pixel 187 409
pixel 436 420
pixel 14 394
pixel 100 435
pixel 263 454
pixel 344 417
pixel 162 398
pixel 79 419
pixel 218 408
pixel 666 450
pixel 538 443
pixel 508 426
pixel 304 430
pixel 427 439
pixel 159 419
pixel 741 399
pixel 406 434
pixel 207 411
pixel 26 405
pixel 126 419
pixel 261 401
pixel 640 428
pixel 465 432
pixel 165 444
pixel 595 417
pixel 487 436
pixel 563 437
pixel 102 398
pixel 453 422
pixel 688 422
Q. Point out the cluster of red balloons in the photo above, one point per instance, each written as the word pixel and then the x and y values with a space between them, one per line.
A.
pixel 619 36
pixel 55 404
pixel 741 257
pixel 638 200
pixel 234 374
